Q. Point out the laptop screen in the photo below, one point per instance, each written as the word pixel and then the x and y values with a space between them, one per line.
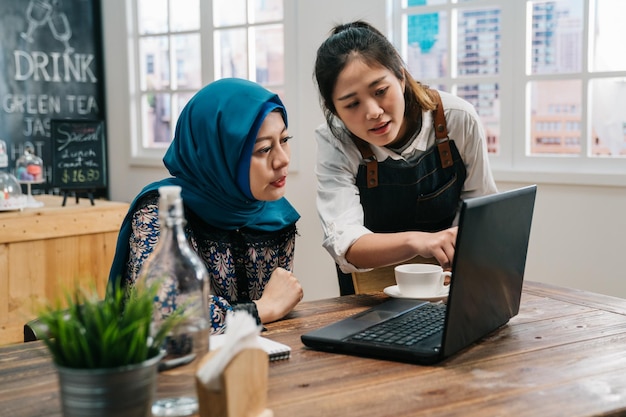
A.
pixel 489 263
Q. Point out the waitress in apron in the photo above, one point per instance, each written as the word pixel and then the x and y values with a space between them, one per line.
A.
pixel 394 157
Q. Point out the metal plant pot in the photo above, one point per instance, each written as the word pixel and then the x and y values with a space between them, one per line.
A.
pixel 126 391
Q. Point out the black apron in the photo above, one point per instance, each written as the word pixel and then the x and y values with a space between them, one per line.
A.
pixel 419 196
pixel 423 195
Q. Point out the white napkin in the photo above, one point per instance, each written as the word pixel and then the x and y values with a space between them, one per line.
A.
pixel 241 333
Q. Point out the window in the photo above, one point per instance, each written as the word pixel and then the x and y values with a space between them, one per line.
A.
pixel 248 39
pixel 182 45
pixel 550 88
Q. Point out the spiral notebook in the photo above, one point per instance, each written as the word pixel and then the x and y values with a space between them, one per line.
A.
pixel 275 350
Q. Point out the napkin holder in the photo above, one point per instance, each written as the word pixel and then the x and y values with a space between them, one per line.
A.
pixel 243 383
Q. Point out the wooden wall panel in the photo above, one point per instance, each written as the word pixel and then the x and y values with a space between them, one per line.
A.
pixel 47 251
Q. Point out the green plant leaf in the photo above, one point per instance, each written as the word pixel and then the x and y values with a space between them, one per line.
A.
pixel 101 333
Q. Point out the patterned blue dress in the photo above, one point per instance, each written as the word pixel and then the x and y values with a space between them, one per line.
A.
pixel 239 262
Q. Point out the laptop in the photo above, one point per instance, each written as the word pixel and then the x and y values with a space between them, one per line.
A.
pixel 485 290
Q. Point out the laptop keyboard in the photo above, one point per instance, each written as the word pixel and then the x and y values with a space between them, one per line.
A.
pixel 406 329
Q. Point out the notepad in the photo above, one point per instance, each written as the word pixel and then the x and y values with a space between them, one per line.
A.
pixel 275 350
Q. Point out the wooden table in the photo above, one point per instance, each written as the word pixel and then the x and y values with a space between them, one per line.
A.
pixel 563 355
pixel 46 250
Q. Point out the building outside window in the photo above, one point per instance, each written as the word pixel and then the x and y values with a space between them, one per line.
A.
pixel 549 87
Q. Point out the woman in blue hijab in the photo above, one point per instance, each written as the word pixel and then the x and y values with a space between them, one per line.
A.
pixel 230 156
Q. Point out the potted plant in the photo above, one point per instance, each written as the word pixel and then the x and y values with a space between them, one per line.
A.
pixel 104 351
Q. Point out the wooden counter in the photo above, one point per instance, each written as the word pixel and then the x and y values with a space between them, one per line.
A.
pixel 46 250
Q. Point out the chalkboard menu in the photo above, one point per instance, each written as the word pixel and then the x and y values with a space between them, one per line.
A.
pixel 52 68
pixel 78 154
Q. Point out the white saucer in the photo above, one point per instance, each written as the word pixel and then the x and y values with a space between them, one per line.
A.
pixel 394 292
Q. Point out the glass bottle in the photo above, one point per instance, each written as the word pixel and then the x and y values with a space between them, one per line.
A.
pixel 183 284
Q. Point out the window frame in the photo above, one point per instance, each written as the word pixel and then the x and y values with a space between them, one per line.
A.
pixel 512 163
pixel 141 156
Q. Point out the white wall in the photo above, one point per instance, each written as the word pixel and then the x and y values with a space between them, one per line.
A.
pixel 577 237
pixel 577 230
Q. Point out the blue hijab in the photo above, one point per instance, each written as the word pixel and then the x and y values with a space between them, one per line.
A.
pixel 209 158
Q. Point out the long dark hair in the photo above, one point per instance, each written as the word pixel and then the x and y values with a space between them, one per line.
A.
pixel 360 40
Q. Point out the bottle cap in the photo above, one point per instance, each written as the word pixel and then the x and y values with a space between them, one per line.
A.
pixel 170 192
pixel 169 198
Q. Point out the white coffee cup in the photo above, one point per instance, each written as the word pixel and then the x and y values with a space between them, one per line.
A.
pixel 420 280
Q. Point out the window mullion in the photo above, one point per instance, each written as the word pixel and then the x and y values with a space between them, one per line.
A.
pixel 512 125
pixel 135 84
pixel 207 41
pixel 521 70
pixel 251 31
pixel 585 125
pixel 453 42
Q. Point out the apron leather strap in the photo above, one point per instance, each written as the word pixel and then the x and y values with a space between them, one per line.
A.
pixel 441 132
pixel 370 162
